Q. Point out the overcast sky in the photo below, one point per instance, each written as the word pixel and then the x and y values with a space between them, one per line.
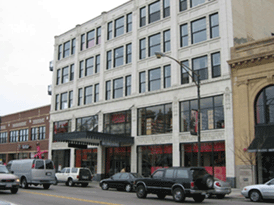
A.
pixel 27 30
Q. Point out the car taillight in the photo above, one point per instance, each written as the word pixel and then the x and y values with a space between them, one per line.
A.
pixel 192 185
pixel 33 166
pixel 91 176
pixel 78 177
pixel 218 184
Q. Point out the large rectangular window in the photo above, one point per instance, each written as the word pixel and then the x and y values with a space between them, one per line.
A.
pixel 129 22
pixel 62 126
pixel 142 82
pixel 119 56
pixel 108 90
pixel 155 119
pixel 97 64
pixel 98 35
pixel 183 5
pixel 166 5
pixel 143 48
pixel 109 59
pixel 81 69
pixel 96 93
pixel 118 123
pixel 212 113
pixel 198 30
pixel 194 3
pixel 154 79
pixel 184 72
pixel 128 85
pixel 143 16
pixel 71 75
pixel 214 25
pixel 118 88
pixel 42 133
pixel 34 133
pixel 119 27
pixel 166 40
pixel 184 35
pixel 64 101
pixel 128 53
pixel 23 135
pixel 83 41
pixel 3 137
pixel 216 65
pixel 110 30
pixel 154 44
pixel 87 123
pixel 88 95
pixel 70 99
pixel 66 49
pixel 91 39
pixel 80 96
pixel 199 65
pixel 167 76
pixel 89 66
pixel 65 75
pixel 154 12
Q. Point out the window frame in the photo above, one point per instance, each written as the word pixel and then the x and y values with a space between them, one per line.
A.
pixel 153 80
pixel 157 12
pixel 143 16
pixel 98 35
pixel 80 96
pixel 129 23
pixel 109 60
pixel 167 41
pixel 166 8
pixel 128 53
pixel 215 67
pixel 110 30
pixel 142 49
pixel 182 5
pixel 91 39
pixel 89 67
pixel 212 27
pixel 88 96
pixel 167 76
pixel 96 92
pixel 201 30
pixel 151 46
pixel 70 103
pixel 183 36
pixel 119 27
pixel 142 83
pixel 65 74
pixel 128 85
pixel 66 49
pixel 118 88
pixel 108 90
pixel 97 63
pixel 118 56
pixel 63 101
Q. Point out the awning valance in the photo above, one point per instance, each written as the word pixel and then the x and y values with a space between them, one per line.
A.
pixel 261 144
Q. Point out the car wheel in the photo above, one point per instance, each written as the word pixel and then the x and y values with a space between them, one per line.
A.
pixel 220 196
pixel 255 196
pixel 70 182
pixel 56 181
pixel 84 184
pixel 141 192
pixel 46 186
pixel 178 195
pixel 24 183
pixel 105 186
pixel 128 188
pixel 14 190
pixel 208 181
pixel 199 198
pixel 161 196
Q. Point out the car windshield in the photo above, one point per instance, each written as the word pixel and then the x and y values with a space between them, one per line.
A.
pixel 3 170
pixel 137 175
pixel 270 182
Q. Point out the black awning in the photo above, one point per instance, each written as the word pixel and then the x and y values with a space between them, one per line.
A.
pixel 93 138
pixel 261 144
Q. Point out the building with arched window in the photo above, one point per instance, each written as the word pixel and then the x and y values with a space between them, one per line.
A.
pixel 252 69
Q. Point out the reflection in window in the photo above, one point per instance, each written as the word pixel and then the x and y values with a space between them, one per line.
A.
pixel 64 101
pixel 196 2
pixel 198 30
pixel 110 30
pixel 65 75
pixel 184 35
pixel 184 72
pixel 89 66
pixel 199 65
pixel 118 88
pixel 214 26
pixel 128 85
pixel 143 16
pixel 154 79
pixel 88 95
pixel 166 40
pixel 216 65
pixel 62 126
pixel 183 5
pixel 87 123
pixel 166 5
pixel 66 49
pixel 118 123
pixel 142 48
pixel 154 44
pixel 129 22
pixel 119 27
pixel 154 11
pixel 91 39
pixel 142 82
pixel 167 76
pixel 119 56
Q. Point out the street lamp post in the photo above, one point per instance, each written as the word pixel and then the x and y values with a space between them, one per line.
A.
pixel 197 83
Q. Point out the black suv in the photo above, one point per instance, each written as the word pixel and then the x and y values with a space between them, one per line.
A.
pixel 180 182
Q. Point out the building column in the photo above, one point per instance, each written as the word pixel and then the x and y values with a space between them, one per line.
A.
pixel 72 157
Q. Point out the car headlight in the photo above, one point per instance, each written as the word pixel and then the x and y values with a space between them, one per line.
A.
pixel 17 180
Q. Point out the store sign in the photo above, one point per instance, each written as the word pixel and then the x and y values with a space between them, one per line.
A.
pixel 110 144
pixel 25 146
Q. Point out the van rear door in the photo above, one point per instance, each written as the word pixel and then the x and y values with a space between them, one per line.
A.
pixel 43 171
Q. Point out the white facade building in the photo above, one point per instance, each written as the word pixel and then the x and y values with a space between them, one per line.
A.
pixel 107 79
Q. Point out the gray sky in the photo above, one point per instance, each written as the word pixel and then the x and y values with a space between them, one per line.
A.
pixel 27 30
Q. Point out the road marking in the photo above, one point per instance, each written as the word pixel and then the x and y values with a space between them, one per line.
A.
pixel 71 198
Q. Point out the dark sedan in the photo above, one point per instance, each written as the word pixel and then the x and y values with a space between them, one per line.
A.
pixel 120 181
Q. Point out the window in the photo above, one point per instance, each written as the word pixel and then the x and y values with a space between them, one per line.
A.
pixel 196 2
pixel 87 123
pixel 81 69
pixel 108 90
pixel 167 76
pixel 118 56
pixel 64 101
pixel 98 35
pixel 58 78
pixel 70 99
pixel 80 96
pixel 62 126
pixel 169 173
pixel 142 48
pixel 143 16
pixel 88 95
pixel 184 35
pixel 198 30
pixel 154 44
pixel 42 133
pixel 154 79
pixel 14 136
pixel 184 72
pixel 166 40
pixel 57 102
pixel 119 27
pixel 3 137
pixel 158 175
pixel 60 50
pixel 155 119
pixel 96 93
pixel 183 5
pixel 109 61
pixel 118 88
pixel 128 85
pixel 66 49
pixel 128 53
pixel 71 76
pixel 129 22
pixel 73 46
pixel 212 113
pixel 154 11
pixel 97 64
pixel 142 82
pixel 23 135
pixel 65 75
pixel 199 65
pixel 34 133
pixel 216 65
pixel 214 25
pixel 166 5
pixel 89 67
pixel 83 41
pixel 110 30
pixel 91 39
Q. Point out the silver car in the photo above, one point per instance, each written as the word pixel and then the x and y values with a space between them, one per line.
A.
pixel 259 192
pixel 221 188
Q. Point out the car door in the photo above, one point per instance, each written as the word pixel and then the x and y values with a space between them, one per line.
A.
pixel 268 190
pixel 67 174
pixel 155 183
pixel 60 175
pixel 124 179
pixel 168 180
pixel 114 180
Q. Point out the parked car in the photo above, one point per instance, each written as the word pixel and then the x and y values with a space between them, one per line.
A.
pixel 74 175
pixel 180 182
pixel 221 188
pixel 33 172
pixel 120 181
pixel 259 192
pixel 8 181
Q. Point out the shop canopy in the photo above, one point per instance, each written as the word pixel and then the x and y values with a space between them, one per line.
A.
pixel 84 138
pixel 260 144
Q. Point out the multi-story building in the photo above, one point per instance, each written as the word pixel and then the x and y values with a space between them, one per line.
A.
pixel 253 93
pixel 115 105
pixel 25 134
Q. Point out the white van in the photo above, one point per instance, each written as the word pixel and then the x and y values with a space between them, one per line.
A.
pixel 33 172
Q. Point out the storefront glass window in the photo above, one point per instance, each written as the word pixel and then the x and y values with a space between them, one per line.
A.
pixel 87 158
pixel 87 123
pixel 62 126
